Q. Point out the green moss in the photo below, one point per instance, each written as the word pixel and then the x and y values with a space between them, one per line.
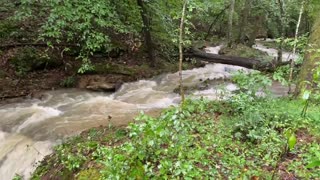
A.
pixel 2 74
pixel 310 62
pixel 30 59
pixel 92 174
pixel 7 29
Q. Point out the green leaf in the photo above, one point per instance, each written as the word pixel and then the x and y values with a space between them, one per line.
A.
pixel 313 164
pixel 292 141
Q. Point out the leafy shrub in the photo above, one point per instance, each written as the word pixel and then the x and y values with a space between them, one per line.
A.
pixel 281 74
pixel 255 125
pixel 73 157
pixel 251 83
pixel 30 59
pixel 251 87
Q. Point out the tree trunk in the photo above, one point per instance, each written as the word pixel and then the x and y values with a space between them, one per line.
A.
pixel 244 23
pixel 232 2
pixel 253 32
pixel 295 46
pixel 282 26
pixel 311 60
pixel 147 31
pixel 181 30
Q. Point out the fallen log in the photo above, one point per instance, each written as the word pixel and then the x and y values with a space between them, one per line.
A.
pixel 237 61
pixel 14 45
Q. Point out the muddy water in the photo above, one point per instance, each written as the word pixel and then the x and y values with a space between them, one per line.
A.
pixel 28 130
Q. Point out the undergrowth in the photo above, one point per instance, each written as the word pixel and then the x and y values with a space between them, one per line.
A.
pixel 204 139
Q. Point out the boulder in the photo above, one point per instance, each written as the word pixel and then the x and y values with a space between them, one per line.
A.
pixel 101 86
pixel 98 83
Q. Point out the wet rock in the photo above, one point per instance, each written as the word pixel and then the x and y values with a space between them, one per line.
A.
pixel 98 83
pixel 98 86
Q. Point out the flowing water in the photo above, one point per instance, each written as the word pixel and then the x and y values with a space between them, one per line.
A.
pixel 30 129
pixel 286 56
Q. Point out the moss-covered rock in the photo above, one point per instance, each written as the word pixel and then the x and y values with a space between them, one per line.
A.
pixel 244 51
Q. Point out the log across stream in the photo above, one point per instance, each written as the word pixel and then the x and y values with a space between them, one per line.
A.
pixel 257 64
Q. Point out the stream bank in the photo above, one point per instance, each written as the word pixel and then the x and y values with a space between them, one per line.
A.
pixel 108 75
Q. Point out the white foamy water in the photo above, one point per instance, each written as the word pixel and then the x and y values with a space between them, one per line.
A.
pixel 28 130
pixel 213 50
pixel 21 155
pixel 39 114
pixel 286 56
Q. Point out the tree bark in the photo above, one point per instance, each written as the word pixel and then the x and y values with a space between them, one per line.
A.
pixel 311 61
pixel 230 21
pixel 181 30
pixel 147 31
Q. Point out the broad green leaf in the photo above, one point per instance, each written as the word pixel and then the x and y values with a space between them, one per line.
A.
pixel 292 141
pixel 313 164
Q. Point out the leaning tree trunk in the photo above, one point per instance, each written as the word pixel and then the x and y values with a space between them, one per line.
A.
pixel 181 30
pixel 147 31
pixel 295 47
pixel 311 60
pixel 230 22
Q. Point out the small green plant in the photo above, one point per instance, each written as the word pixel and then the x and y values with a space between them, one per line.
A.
pixel 251 83
pixel 68 82
pixel 17 177
pixel 291 139
pixel 281 74
pixel 69 159
pixel 315 162
pixel 300 43
pixel 313 94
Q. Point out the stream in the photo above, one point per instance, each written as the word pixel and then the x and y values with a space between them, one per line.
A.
pixel 29 129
